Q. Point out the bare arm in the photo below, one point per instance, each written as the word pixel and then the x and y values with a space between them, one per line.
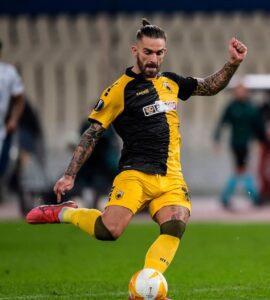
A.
pixel 212 84
pixel 84 148
pixel 17 107
pixel 82 152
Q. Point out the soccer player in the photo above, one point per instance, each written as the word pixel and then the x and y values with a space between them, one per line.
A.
pixel 141 105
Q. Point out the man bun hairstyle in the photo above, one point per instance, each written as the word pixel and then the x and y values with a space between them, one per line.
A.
pixel 151 31
pixel 145 22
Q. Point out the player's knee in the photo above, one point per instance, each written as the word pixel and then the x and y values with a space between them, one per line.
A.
pixel 103 233
pixel 174 228
pixel 115 232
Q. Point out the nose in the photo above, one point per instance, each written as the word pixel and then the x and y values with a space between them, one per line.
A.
pixel 153 58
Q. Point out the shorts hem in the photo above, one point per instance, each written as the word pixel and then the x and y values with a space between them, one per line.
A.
pixel 188 206
pixel 122 205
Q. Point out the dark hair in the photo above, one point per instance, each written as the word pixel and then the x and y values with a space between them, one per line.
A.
pixel 150 30
pixel 1 45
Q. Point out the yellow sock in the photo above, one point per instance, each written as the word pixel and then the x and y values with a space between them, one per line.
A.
pixel 161 252
pixel 83 218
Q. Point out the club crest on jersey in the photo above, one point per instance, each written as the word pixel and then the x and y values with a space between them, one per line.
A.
pixel 119 195
pixel 99 105
pixel 167 86
pixel 159 107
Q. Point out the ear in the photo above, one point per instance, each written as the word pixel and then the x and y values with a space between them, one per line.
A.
pixel 134 50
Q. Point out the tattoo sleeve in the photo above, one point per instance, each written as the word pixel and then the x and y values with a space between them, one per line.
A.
pixel 212 84
pixel 84 148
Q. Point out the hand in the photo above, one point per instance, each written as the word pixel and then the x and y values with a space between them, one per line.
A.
pixel 216 148
pixel 63 185
pixel 237 51
pixel 11 125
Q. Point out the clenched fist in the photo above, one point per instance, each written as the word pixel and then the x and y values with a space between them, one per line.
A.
pixel 237 51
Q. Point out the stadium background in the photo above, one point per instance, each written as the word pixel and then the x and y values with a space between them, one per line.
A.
pixel 69 51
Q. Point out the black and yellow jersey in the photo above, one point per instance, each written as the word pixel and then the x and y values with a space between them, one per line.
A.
pixel 143 112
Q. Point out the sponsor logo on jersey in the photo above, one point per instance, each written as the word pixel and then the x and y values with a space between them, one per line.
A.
pixel 143 92
pixel 110 194
pixel 159 107
pixel 99 105
pixel 109 89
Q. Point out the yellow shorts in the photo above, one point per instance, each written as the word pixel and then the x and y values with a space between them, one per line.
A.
pixel 135 190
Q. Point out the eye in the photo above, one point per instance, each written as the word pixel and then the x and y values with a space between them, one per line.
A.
pixel 160 52
pixel 147 52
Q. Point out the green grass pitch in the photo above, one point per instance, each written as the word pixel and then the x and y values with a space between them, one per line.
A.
pixel 215 261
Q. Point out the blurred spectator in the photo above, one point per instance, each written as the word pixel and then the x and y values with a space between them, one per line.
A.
pixel 30 147
pixel 100 169
pixel 264 162
pixel 94 180
pixel 245 125
pixel 29 142
pixel 11 107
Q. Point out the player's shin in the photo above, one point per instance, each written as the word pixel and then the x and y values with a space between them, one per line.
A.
pixel 83 218
pixel 162 251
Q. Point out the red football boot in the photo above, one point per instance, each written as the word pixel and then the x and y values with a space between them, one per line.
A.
pixel 47 213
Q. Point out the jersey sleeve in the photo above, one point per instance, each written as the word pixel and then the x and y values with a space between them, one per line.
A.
pixel 187 85
pixel 109 106
pixel 16 86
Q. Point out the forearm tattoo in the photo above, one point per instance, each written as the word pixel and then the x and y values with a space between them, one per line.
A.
pixel 84 148
pixel 212 84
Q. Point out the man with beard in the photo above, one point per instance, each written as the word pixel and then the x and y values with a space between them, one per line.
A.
pixel 141 105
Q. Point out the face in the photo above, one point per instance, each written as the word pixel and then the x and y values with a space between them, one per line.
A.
pixel 149 54
pixel 241 92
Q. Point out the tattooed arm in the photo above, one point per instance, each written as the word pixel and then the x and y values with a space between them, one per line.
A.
pixel 81 154
pixel 211 85
pixel 84 149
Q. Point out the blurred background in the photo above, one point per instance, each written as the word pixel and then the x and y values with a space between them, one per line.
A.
pixel 67 52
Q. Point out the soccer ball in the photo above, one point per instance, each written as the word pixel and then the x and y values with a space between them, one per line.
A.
pixel 148 284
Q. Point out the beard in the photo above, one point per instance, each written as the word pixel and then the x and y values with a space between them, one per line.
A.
pixel 148 70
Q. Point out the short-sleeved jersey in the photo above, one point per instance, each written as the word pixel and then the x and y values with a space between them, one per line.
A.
pixel 10 85
pixel 143 112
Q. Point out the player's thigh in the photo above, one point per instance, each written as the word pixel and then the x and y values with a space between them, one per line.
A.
pixel 175 202
pixel 116 218
pixel 127 191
